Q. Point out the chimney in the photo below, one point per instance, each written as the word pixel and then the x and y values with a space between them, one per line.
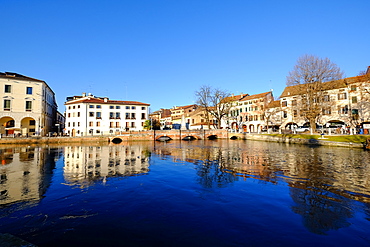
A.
pixel 83 94
pixel 105 99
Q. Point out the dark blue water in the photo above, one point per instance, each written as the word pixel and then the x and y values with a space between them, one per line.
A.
pixel 200 193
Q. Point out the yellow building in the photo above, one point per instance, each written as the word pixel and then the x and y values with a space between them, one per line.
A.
pixel 28 106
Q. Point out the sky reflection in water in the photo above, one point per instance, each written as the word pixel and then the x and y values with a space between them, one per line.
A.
pixel 199 193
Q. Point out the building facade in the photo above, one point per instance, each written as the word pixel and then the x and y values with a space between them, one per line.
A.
pixel 247 113
pixel 342 103
pixel 90 115
pixel 28 106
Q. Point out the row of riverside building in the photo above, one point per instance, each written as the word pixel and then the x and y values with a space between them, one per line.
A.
pixel 29 108
pixel 346 104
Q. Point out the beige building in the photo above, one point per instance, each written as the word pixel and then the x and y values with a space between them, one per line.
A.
pixel 197 119
pixel 28 106
pixel 179 114
pixel 248 112
pixel 343 103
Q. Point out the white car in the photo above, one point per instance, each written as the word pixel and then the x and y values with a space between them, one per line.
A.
pixel 302 129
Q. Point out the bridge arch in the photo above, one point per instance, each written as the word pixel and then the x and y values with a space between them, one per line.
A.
pixel 164 138
pixel 212 137
pixel 117 140
pixel 189 138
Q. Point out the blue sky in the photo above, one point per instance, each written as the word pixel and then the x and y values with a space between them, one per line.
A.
pixel 161 51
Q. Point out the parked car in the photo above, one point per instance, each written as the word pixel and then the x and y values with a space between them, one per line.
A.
pixel 302 129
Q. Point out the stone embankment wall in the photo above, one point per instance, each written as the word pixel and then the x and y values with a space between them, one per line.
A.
pixel 53 140
pixel 286 139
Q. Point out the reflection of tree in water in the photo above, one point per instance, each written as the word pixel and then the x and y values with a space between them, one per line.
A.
pixel 212 172
pixel 322 208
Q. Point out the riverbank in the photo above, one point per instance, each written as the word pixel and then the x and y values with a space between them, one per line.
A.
pixel 354 141
pixel 53 140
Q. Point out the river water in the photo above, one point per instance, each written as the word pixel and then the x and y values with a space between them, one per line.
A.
pixel 198 193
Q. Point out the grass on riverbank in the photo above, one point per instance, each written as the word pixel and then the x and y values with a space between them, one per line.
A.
pixel 337 138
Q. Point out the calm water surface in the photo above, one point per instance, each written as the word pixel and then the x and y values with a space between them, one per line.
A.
pixel 199 193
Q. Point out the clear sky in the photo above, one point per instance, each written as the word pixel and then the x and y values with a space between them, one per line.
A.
pixel 161 51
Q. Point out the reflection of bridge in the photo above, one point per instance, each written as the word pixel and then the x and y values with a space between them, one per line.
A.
pixel 173 134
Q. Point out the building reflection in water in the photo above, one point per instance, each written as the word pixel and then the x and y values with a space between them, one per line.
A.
pixel 323 181
pixel 25 173
pixel 87 164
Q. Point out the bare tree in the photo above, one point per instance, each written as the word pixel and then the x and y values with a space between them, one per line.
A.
pixel 215 103
pixel 311 72
pixel 271 112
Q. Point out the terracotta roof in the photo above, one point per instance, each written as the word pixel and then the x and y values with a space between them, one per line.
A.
pixel 11 75
pixel 234 97
pixel 273 104
pixel 255 96
pixel 342 83
pixel 101 101
pixel 184 107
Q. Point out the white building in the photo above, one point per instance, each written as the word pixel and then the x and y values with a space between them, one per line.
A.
pixel 28 105
pixel 90 115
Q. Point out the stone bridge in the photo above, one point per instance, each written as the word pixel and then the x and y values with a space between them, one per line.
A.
pixel 157 135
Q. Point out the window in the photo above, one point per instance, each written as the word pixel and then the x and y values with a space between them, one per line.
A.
pixel 133 107
pixel 326 111
pixel 90 124
pixel 284 103
pixel 118 107
pixel 8 89
pixel 127 107
pixel 91 106
pixel 133 116
pixel 32 122
pixel 111 125
pixel 354 99
pixel 28 105
pixel 69 114
pixel 355 115
pixel 91 114
pixel 342 96
pixel 295 113
pixel 117 124
pixel 118 115
pixel 142 115
pixel 111 107
pixel 326 98
pixel 29 90
pixel 127 115
pixel 343 109
pixel 143 108
pixel 111 115
pixel 285 114
pixel 6 105
pixel 98 115
pixel 353 88
pixel 98 106
pixel 294 102
pixel 78 114
pixel 97 124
